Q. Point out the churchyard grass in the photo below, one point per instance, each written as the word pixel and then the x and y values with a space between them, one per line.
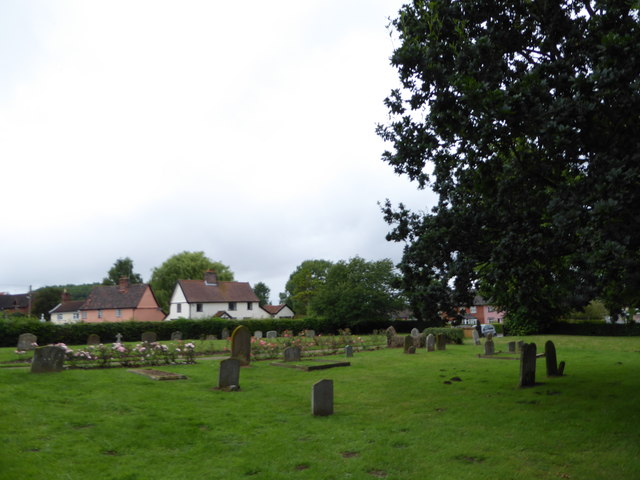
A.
pixel 394 418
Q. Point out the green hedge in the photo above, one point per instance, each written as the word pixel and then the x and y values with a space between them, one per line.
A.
pixel 76 334
pixel 454 335
pixel 600 329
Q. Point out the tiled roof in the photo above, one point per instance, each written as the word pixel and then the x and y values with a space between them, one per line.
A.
pixel 106 297
pixel 20 300
pixel 71 306
pixel 196 291
pixel 273 309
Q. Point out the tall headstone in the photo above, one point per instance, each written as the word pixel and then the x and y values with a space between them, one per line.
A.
pixel 272 334
pixel 292 354
pixel 489 347
pixel 225 333
pixel 48 359
pixel 27 341
pixel 528 365
pixel 149 337
pixel 431 342
pixel 408 343
pixel 551 359
pixel 348 351
pixel 322 398
pixel 229 374
pixel 241 345
pixel 177 335
pixel 476 336
pixel 93 339
pixel 512 347
pixel 391 334
pixel 441 341
pixel 257 334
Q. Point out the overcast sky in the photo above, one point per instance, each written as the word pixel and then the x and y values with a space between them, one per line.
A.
pixel 141 129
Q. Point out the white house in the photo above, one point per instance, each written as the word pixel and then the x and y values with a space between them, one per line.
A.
pixel 210 298
pixel 67 311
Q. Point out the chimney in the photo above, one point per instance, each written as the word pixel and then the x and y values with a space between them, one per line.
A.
pixel 123 285
pixel 210 278
pixel 65 296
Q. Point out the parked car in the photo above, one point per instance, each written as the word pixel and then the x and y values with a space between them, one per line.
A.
pixel 486 329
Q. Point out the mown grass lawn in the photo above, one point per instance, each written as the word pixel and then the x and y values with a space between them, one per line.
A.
pixel 394 418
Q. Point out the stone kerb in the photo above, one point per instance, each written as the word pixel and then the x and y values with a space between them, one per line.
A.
pixel 241 345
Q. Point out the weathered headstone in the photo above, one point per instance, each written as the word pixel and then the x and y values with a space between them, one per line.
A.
pixel 519 346
pixel 391 334
pixel 322 398
pixel 411 350
pixel 48 359
pixel 257 334
pixel 177 335
pixel 415 333
pixel 225 333
pixel 551 359
pixel 229 374
pixel 528 365
pixel 476 336
pixel 292 354
pixel 309 333
pixel 93 339
pixel 408 343
pixel 431 342
pixel 489 347
pixel 149 337
pixel 118 337
pixel 241 345
pixel 512 347
pixel 348 351
pixel 441 341
pixel 27 341
pixel 272 334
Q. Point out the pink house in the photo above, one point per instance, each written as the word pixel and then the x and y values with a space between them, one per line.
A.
pixel 481 312
pixel 120 303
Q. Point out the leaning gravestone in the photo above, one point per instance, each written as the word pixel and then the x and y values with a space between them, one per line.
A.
pixel 408 343
pixel 551 359
pixel 229 375
pixel 322 398
pixel 93 339
pixel 177 335
pixel 272 334
pixel 27 341
pixel 348 351
pixel 512 347
pixel 431 343
pixel 528 365
pixel 391 334
pixel 48 359
pixel 489 347
pixel 257 334
pixel 225 333
pixel 149 337
pixel 292 354
pixel 476 337
pixel 441 341
pixel 241 345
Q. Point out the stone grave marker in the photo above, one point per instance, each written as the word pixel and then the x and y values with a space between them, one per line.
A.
pixel 489 347
pixel 272 334
pixel 257 334
pixel 391 334
pixel 551 359
pixel 177 335
pixel 528 365
pixel 408 343
pixel 292 354
pixel 210 338
pixel 229 375
pixel 225 333
pixel 415 333
pixel 309 333
pixel 561 368
pixel 512 347
pixel 441 341
pixel 431 342
pixel 149 337
pixel 476 336
pixel 322 398
pixel 348 351
pixel 27 341
pixel 93 339
pixel 118 337
pixel 48 359
pixel 241 345
pixel 519 346
pixel 411 350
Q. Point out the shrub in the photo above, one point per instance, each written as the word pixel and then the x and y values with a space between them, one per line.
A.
pixel 454 335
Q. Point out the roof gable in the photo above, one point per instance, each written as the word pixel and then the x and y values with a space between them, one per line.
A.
pixel 197 291
pixel 70 306
pixel 108 297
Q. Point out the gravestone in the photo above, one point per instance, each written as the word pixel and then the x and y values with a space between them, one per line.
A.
pixel 257 334
pixel 431 343
pixel 272 334
pixel 93 339
pixel 27 341
pixel 225 333
pixel 489 347
pixel 519 346
pixel 411 350
pixel 118 337
pixel 476 337
pixel 292 354
pixel 48 359
pixel 149 337
pixel 408 343
pixel 391 334
pixel 441 341
pixel 551 359
pixel 177 335
pixel 512 347
pixel 241 345
pixel 561 368
pixel 322 398
pixel 309 333
pixel 528 365
pixel 348 351
pixel 229 374
pixel 415 333
pixel 210 338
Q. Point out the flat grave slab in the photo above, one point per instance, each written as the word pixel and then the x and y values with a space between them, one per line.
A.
pixel 310 365
pixel 159 374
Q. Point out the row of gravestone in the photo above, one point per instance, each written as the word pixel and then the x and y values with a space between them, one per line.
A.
pixel 28 341
pixel 528 359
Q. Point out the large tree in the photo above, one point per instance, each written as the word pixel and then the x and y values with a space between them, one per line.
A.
pixel 184 266
pixel 303 284
pixel 262 292
pixel 44 299
pixel 123 267
pixel 524 118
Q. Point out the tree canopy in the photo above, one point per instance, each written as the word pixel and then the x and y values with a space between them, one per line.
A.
pixel 304 282
pixel 123 267
pixel 524 118
pixel 184 266
pixel 262 292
